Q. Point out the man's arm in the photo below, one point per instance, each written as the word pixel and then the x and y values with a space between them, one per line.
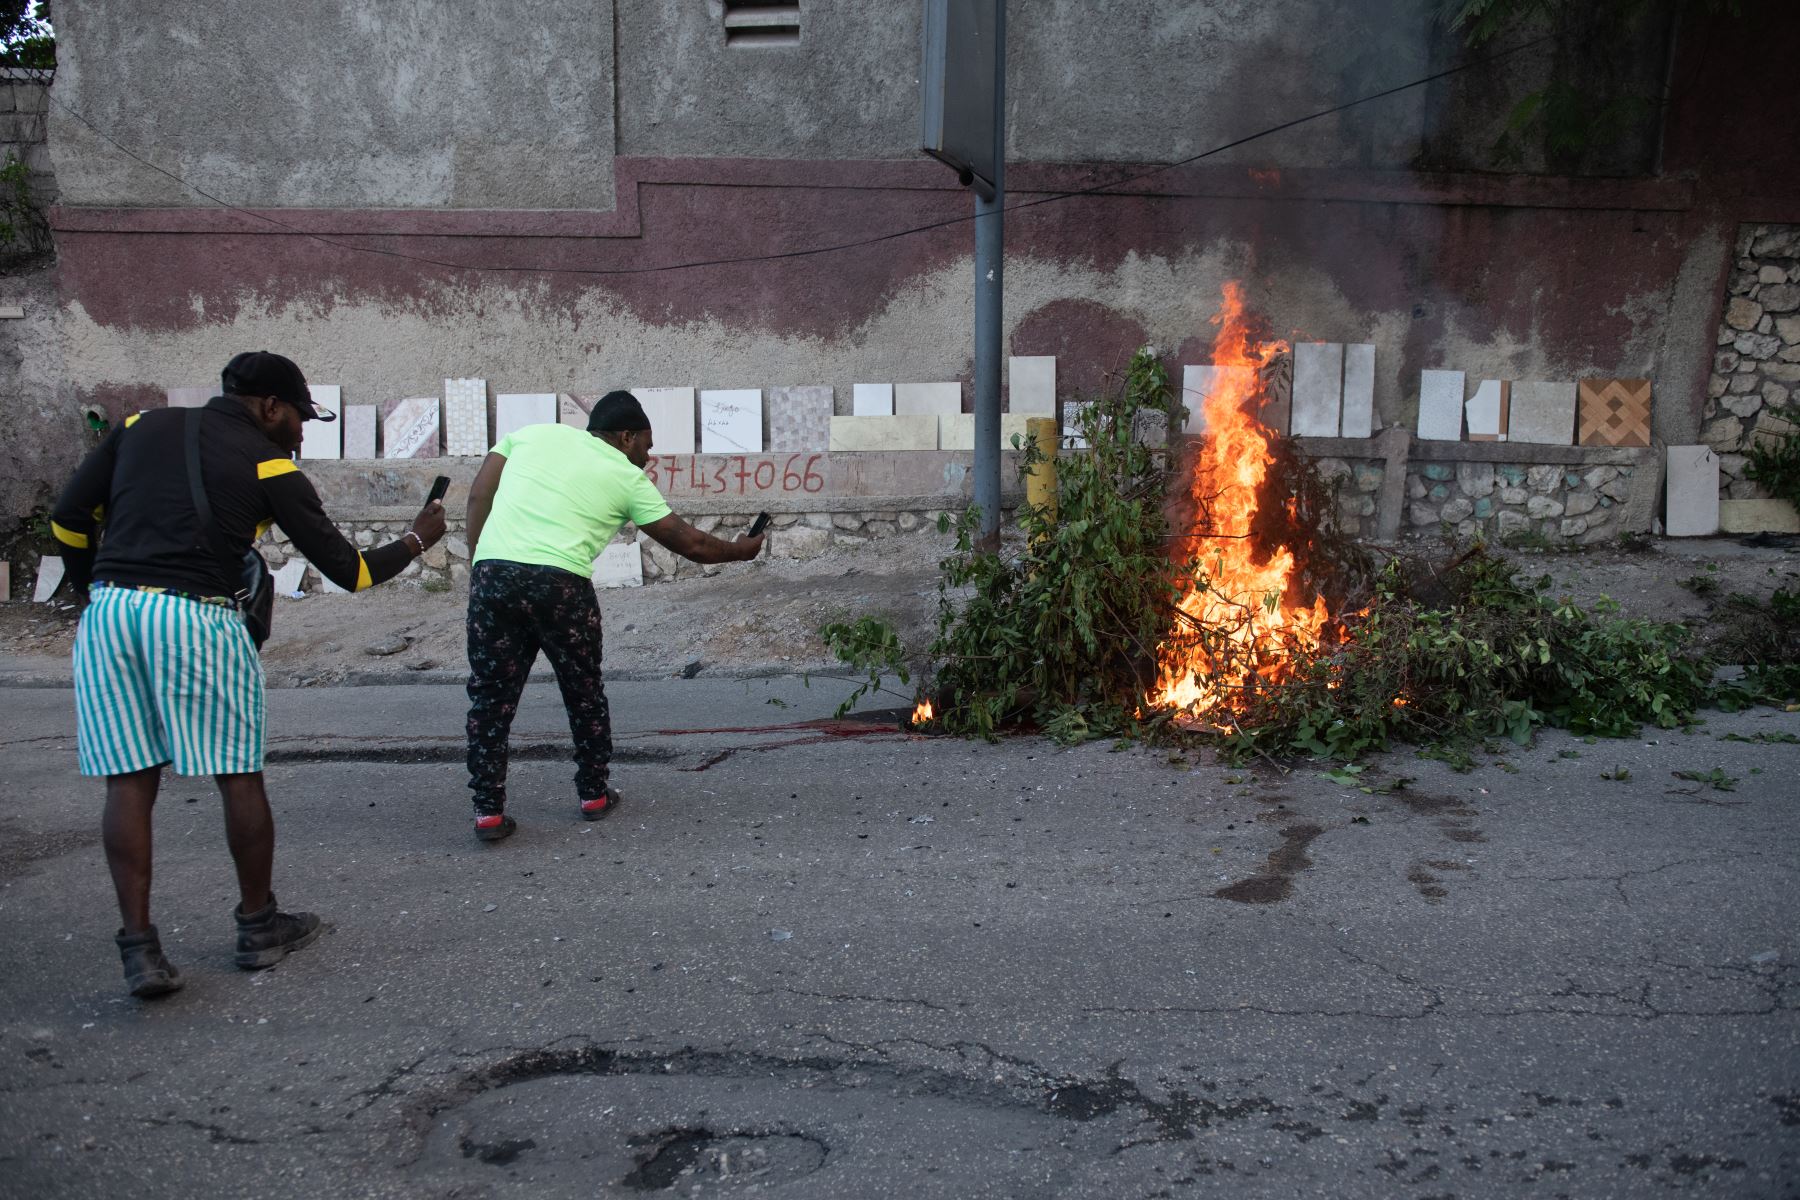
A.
pixel 302 517
pixel 75 521
pixel 481 498
pixel 677 535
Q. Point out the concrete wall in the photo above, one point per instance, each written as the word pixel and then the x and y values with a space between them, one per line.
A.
pixel 336 103
pixel 41 438
pixel 442 198
pixel 469 104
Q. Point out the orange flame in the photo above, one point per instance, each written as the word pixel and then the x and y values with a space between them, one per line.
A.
pixel 1240 589
pixel 923 713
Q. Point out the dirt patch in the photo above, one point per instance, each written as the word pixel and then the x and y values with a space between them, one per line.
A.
pixel 1276 880
pixel 765 616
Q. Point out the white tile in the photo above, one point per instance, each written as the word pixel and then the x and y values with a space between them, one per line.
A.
pixel 574 410
pixel 359 430
pixel 1483 411
pixel 465 417
pixel 872 400
pixel 409 428
pixel 671 413
pixel 884 433
pixel 289 578
pixel 731 421
pixel 621 564
pixel 1359 391
pixel 1441 406
pixel 50 573
pixel 190 397
pixel 1542 413
pixel 956 431
pixel 1318 398
pixel 1692 508
pixel 1031 385
pixel 1200 380
pixel 513 411
pixel 323 439
pixel 927 399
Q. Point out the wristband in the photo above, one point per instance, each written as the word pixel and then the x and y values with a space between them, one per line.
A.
pixel 415 537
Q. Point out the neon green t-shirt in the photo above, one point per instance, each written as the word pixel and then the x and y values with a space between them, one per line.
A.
pixel 563 495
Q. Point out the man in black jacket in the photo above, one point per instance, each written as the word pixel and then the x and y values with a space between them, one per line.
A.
pixel 165 672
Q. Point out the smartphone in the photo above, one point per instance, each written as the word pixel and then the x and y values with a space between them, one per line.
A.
pixel 439 486
pixel 761 523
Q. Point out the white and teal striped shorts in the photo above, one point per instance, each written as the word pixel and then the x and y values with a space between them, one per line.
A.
pixel 162 678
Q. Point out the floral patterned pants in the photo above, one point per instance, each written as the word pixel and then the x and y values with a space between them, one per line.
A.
pixel 515 610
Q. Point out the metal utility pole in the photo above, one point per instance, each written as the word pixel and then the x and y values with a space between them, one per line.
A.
pixel 963 90
pixel 990 281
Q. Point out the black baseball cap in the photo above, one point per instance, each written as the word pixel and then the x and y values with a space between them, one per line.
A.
pixel 260 373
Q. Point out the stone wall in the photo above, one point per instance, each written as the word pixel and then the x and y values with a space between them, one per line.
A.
pixel 1512 503
pixel 1756 371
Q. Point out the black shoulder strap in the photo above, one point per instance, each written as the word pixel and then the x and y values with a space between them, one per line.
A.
pixel 197 489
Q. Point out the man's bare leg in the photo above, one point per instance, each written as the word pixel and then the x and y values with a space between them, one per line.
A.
pixel 125 831
pixel 250 833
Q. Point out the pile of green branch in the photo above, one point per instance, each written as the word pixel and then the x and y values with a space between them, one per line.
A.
pixel 1061 635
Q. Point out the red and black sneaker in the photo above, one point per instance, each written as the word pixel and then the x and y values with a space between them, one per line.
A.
pixel 600 806
pixel 493 827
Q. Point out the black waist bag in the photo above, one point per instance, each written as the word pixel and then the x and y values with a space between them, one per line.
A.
pixel 255 595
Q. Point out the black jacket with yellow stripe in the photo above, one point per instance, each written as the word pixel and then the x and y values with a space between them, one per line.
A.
pixel 135 482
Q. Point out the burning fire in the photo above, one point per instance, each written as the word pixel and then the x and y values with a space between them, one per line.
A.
pixel 923 713
pixel 1240 590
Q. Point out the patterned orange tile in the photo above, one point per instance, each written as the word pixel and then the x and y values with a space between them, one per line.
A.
pixel 1614 412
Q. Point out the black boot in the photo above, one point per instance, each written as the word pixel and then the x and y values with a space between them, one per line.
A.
pixel 267 936
pixel 147 972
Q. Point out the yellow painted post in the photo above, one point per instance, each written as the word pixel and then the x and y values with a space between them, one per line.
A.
pixel 1040 481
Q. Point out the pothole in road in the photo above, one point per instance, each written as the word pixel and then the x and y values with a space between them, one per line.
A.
pixel 568 1122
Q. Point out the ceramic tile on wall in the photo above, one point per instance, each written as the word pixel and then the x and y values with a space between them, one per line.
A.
pixel 50 574
pixel 927 399
pixel 1275 387
pixel 323 439
pixel 1318 403
pixel 731 421
pixel 409 428
pixel 573 410
pixel 1073 415
pixel 1487 411
pixel 956 431
pixel 1200 380
pixel 190 397
pixel 465 417
pixel 884 433
pixel 671 413
pixel 872 400
pixel 289 577
pixel 1359 391
pixel 800 418
pixel 1031 385
pixel 620 564
pixel 513 411
pixel 1542 413
pixel 359 431
pixel 5 582
pixel 1692 508
pixel 1441 405
pixel 1614 412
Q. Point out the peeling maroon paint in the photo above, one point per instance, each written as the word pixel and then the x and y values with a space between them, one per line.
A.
pixel 1090 342
pixel 1544 261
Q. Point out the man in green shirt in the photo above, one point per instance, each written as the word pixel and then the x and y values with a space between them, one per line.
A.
pixel 545 501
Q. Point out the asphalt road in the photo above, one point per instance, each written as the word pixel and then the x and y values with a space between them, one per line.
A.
pixel 816 960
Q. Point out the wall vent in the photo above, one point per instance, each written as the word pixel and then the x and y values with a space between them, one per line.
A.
pixel 762 22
